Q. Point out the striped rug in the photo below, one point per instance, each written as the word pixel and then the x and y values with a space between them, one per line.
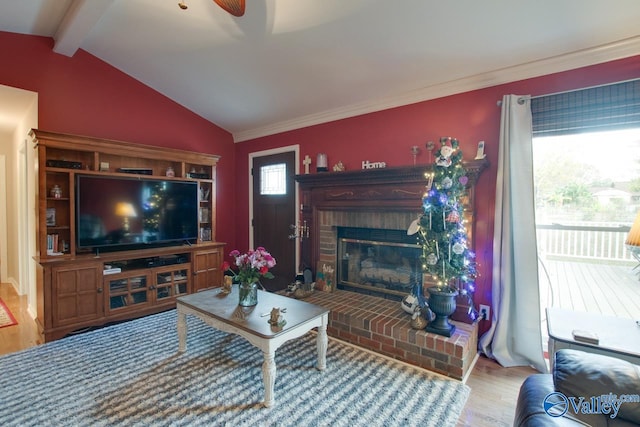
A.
pixel 6 318
pixel 130 374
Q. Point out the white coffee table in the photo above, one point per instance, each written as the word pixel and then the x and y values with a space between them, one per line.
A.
pixel 222 312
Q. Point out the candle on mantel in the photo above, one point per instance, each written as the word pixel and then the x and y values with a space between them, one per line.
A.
pixel 321 163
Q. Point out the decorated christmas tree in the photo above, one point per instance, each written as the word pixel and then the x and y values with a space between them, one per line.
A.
pixel 446 258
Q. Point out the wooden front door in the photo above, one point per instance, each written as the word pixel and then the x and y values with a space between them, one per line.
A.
pixel 274 212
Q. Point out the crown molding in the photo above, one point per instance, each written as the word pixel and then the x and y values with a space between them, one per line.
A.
pixel 582 58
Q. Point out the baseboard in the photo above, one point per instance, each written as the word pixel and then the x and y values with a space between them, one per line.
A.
pixel 473 365
pixel 33 312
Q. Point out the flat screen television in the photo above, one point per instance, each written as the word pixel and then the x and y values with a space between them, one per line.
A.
pixel 123 212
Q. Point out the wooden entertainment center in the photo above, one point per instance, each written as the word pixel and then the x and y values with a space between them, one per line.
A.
pixel 79 288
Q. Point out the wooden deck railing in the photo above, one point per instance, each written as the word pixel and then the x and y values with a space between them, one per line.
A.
pixel 589 242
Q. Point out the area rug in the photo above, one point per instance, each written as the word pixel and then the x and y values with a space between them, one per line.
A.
pixel 6 318
pixel 131 374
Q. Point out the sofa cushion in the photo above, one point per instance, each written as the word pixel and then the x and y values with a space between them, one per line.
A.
pixel 579 374
pixel 530 409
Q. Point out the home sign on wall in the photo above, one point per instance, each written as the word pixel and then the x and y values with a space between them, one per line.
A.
pixel 366 164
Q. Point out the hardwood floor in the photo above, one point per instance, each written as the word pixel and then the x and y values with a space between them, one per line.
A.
pixel 494 392
pixel 23 335
pixel 494 389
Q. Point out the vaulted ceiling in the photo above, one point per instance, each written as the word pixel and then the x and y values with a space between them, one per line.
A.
pixel 291 63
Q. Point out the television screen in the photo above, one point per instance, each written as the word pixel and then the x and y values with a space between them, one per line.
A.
pixel 122 211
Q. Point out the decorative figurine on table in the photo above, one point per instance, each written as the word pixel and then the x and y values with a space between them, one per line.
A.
pixel 276 318
pixel 226 285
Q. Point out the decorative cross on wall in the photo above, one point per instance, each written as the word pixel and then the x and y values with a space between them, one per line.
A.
pixel 306 162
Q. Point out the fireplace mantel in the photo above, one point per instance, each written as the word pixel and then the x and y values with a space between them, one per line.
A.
pixel 402 175
pixel 398 189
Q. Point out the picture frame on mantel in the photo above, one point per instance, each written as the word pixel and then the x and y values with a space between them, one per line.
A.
pixel 325 276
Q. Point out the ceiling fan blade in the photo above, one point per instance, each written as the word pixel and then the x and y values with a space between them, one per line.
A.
pixel 234 7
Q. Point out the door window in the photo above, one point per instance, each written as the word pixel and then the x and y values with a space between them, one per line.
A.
pixel 273 179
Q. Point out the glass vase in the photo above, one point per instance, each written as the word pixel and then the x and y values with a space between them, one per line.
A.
pixel 248 294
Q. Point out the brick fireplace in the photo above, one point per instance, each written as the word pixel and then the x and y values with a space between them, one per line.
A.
pixel 378 199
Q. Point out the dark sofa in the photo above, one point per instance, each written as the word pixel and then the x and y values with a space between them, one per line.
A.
pixel 604 390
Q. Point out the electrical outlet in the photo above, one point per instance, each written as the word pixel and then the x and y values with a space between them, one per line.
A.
pixel 485 312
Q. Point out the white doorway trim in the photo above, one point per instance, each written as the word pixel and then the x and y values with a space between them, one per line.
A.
pixel 24 195
pixel 296 149
pixel 3 219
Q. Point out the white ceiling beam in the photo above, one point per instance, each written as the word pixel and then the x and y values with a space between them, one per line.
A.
pixel 81 17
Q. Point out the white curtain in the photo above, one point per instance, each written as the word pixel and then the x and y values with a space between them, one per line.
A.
pixel 515 338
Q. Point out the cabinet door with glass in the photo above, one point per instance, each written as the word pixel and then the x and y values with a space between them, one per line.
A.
pixel 171 281
pixel 127 291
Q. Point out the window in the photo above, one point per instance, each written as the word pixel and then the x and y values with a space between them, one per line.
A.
pixel 586 149
pixel 588 177
pixel 273 179
pixel 608 107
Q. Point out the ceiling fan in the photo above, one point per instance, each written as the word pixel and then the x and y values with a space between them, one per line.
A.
pixel 234 7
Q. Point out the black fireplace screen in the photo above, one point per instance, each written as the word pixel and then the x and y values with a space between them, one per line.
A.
pixel 378 262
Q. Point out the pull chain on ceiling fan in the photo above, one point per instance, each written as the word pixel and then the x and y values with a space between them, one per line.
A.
pixel 234 7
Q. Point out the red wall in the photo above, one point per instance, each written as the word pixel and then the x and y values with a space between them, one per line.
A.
pixel 85 96
pixel 388 136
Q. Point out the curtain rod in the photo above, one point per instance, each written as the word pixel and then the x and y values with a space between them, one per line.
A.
pixel 521 99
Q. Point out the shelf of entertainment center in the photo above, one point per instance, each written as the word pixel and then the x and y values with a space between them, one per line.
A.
pixel 68 154
pixel 114 257
pixel 163 176
pixel 149 261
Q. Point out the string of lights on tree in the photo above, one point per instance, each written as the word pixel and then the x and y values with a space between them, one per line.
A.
pixel 441 233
